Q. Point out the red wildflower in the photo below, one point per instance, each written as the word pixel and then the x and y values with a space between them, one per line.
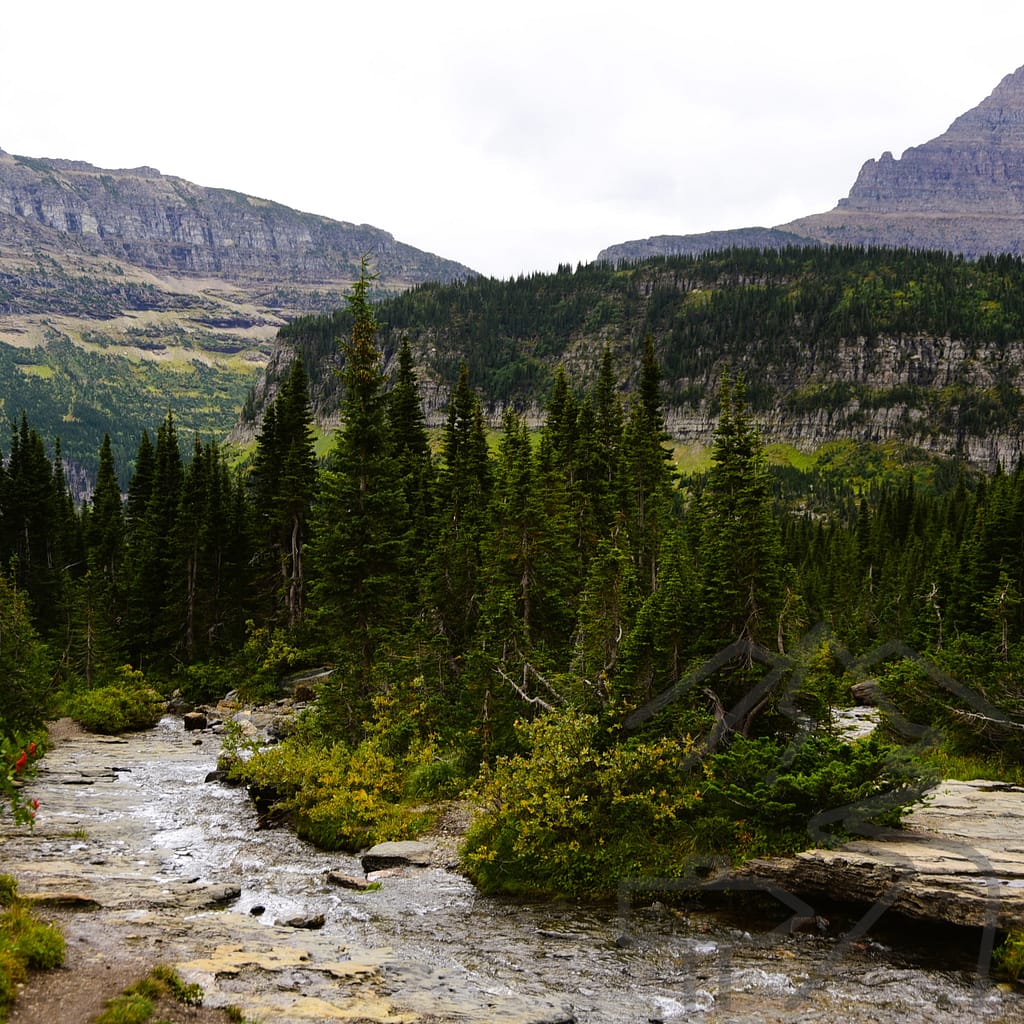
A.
pixel 35 805
pixel 21 762
pixel 32 748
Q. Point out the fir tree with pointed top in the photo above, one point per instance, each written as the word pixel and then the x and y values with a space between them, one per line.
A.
pixel 105 533
pixel 361 523
pixel 463 494
pixel 415 464
pixel 740 549
pixel 284 481
pixel 648 472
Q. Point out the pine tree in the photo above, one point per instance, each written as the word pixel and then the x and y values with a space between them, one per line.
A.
pixel 662 639
pixel 648 473
pixel 464 487
pixel 33 514
pixel 740 550
pixel 153 509
pixel 360 519
pixel 105 533
pixel 92 635
pixel 284 480
pixel 531 566
pixel 414 463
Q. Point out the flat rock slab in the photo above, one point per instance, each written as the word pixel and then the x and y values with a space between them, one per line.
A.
pixel 353 882
pixel 959 859
pixel 396 855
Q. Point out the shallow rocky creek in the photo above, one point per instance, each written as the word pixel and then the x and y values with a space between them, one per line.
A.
pixel 175 867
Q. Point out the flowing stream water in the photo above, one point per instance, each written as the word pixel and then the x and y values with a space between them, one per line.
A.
pixel 133 825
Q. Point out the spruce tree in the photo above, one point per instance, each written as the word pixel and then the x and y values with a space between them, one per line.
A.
pixel 105 532
pixel 740 550
pixel 463 493
pixel 648 473
pixel 92 637
pixel 153 509
pixel 284 480
pixel 415 465
pixel 360 519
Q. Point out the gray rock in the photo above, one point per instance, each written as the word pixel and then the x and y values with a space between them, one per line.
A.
pixel 865 692
pixel 217 895
pixel 309 921
pixel 397 854
pixel 960 192
pixel 959 859
pixel 344 881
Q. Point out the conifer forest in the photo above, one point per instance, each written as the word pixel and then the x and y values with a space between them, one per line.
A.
pixel 621 664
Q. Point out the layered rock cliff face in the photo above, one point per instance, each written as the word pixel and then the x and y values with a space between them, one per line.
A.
pixel 696 245
pixel 169 225
pixel 962 192
pixel 127 292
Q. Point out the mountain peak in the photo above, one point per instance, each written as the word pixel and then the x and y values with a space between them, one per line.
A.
pixel 962 191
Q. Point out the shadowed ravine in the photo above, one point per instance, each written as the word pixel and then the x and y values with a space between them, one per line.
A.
pixel 132 825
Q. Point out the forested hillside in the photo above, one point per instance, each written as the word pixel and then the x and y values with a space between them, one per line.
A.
pixel 624 666
pixel 867 344
pixel 124 293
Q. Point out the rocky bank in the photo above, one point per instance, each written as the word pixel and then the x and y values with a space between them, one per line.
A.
pixel 958 860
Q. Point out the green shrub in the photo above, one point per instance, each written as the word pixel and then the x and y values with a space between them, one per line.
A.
pixel 269 656
pixel 439 778
pixel 782 797
pixel 137 1004
pixel 12 974
pixel 339 799
pixel 25 943
pixel 576 813
pixel 573 816
pixel 346 798
pixel 128 703
pixel 40 946
pixel 8 890
pixel 1008 957
pixel 127 1009
pixel 206 683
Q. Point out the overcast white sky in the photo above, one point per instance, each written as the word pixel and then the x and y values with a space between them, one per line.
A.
pixel 509 136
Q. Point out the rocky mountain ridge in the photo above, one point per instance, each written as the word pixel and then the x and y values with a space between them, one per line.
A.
pixel 962 192
pixel 127 292
pixel 167 225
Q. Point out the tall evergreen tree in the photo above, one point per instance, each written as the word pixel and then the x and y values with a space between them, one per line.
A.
pixel 284 481
pixel 648 472
pixel 740 550
pixel 414 462
pixel 153 510
pixel 93 642
pixel 461 508
pixel 360 519
pixel 105 531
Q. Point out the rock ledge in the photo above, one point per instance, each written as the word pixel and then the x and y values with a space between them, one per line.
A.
pixel 959 860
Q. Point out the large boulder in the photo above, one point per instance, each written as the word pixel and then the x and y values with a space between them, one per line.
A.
pixel 396 855
pixel 194 720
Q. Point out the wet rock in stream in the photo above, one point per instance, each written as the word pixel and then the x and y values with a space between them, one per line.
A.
pixel 182 876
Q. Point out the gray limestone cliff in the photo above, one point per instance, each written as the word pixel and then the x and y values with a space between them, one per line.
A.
pixel 962 192
pixel 696 245
pixel 168 225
